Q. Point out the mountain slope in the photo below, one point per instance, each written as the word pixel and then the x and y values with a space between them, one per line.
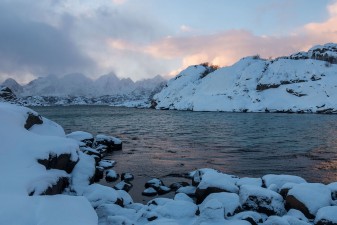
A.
pixel 79 89
pixel 302 82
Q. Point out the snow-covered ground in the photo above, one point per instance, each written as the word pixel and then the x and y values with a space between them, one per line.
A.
pixel 47 178
pixel 302 82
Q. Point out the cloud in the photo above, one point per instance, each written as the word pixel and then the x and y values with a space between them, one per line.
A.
pixel 32 47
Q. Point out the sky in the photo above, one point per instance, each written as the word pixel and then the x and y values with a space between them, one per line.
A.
pixel 143 38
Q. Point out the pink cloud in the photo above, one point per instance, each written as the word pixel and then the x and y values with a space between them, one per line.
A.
pixel 228 47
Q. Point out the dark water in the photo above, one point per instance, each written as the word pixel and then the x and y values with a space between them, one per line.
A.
pixel 157 143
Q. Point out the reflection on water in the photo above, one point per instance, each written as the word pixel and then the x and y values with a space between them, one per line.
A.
pixel 157 143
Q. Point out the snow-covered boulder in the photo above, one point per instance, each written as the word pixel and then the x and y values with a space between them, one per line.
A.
pixel 333 188
pixel 82 136
pixel 284 220
pixel 279 180
pixel 261 200
pixel 112 143
pixel 326 216
pixel 230 202
pixel 212 181
pixel 111 175
pixel 150 191
pixel 40 164
pixel 308 198
pixel 127 176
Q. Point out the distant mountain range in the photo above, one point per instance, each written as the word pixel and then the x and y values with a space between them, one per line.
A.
pixel 79 89
pixel 301 82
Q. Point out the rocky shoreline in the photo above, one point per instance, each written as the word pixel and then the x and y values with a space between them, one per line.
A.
pixel 68 167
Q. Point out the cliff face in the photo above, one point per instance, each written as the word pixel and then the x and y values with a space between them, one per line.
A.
pixel 302 82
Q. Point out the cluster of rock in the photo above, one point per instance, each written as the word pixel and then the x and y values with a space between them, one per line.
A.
pixel 214 197
pixel 7 95
pixel 325 53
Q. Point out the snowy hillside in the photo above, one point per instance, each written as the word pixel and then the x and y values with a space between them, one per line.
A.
pixel 302 82
pixel 79 89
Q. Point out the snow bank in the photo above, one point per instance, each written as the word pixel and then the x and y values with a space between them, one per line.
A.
pixel 21 173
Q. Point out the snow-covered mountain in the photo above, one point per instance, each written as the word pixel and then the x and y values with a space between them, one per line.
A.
pixel 302 82
pixel 79 89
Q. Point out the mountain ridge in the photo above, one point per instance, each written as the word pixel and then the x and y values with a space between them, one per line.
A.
pixel 301 82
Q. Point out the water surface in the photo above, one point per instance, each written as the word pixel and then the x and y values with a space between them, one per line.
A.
pixel 157 143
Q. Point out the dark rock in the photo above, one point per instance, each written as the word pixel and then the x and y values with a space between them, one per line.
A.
pixel 293 203
pixel 152 218
pixel 32 119
pixel 175 186
pixel 201 194
pixel 7 95
pixel 326 216
pixel 127 176
pixel 153 104
pixel 261 200
pixel 123 186
pixel 250 220
pixel 163 190
pixel 154 183
pixel 90 151
pixel 99 174
pixel 262 87
pixel 291 91
pixel 54 189
pixel 196 179
pixel 60 162
pixel 111 176
pixel 149 192
pixel 111 143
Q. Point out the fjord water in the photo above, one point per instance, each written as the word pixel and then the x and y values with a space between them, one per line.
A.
pixel 158 143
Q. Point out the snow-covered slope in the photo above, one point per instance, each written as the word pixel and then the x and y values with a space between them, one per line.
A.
pixel 28 142
pixel 302 82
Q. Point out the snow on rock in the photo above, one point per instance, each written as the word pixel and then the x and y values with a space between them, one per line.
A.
pixel 111 143
pixel 304 82
pixel 229 202
pixel 107 163
pixel 127 176
pixel 309 198
pixel 261 200
pixel 169 208
pixel 279 180
pixel 285 220
pixel 111 176
pixel 326 216
pixel 40 163
pixel 188 190
pixel 333 188
pixel 249 181
pixel 82 136
pixel 123 185
pixel 149 192
pixel 183 197
pixel 212 181
pixel 250 216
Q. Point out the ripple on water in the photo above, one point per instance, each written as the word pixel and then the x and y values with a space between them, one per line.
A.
pixel 251 144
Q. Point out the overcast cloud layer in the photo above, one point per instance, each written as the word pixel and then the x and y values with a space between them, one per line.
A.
pixel 133 39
